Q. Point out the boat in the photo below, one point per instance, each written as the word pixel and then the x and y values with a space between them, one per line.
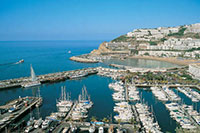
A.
pixel 84 99
pixel 28 129
pixel 38 123
pixel 20 61
pixel 78 75
pixel 69 52
pixel 34 81
pixel 101 130
pixel 91 129
pixel 46 123
pixel 13 109
pixel 81 109
pixel 64 105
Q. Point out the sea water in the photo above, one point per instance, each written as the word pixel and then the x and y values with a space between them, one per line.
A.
pixel 52 56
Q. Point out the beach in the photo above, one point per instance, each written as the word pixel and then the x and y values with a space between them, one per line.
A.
pixel 173 60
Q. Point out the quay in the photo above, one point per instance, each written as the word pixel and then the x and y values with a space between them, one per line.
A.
pixel 84 126
pixel 169 85
pixel 83 59
pixel 19 108
pixel 75 74
pixel 48 78
pixel 70 112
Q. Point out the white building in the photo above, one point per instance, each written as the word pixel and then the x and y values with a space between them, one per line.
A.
pixel 194 69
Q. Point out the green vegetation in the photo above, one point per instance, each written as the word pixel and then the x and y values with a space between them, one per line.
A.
pixel 152 43
pixel 122 38
pixel 192 35
pixel 146 54
pixel 193 49
pixel 105 119
pixel 163 39
pixel 93 119
pixel 180 33
pixel 197 36
pixel 172 76
pixel 186 76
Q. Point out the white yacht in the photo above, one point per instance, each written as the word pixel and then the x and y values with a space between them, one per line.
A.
pixel 33 82
pixel 84 99
pixel 101 130
pixel 91 129
pixel 38 123
pixel 64 104
pixel 28 129
pixel 46 123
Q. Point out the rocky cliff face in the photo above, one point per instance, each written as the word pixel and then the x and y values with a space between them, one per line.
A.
pixel 102 49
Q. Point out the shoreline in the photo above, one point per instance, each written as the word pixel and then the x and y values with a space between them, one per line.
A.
pixel 173 60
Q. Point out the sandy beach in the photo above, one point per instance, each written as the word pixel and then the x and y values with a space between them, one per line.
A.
pixel 173 60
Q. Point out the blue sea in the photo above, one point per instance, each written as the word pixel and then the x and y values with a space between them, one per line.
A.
pixel 52 56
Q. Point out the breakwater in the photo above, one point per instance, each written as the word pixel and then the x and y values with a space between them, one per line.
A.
pixel 49 78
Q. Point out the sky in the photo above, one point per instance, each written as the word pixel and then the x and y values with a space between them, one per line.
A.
pixel 90 19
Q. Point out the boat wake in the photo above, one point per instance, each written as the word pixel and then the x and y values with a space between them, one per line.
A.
pixel 12 63
pixel 5 64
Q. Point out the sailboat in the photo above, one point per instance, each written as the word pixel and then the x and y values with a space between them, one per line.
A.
pixel 39 121
pixel 84 98
pixel 64 104
pixel 34 81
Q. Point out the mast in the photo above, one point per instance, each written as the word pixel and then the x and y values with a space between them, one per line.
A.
pixel 86 94
pixel 82 94
pixel 39 92
pixel 33 76
pixel 64 93
pixel 61 98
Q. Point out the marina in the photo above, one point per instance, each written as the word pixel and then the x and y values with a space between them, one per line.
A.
pixel 127 89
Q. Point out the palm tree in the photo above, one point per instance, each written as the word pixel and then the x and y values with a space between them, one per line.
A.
pixel 93 119
pixel 105 120
pixel 119 121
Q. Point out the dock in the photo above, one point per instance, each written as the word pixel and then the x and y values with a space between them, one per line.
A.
pixel 48 78
pixel 80 73
pixel 24 105
pixel 70 112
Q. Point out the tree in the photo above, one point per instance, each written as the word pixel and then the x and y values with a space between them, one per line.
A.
pixel 146 54
pixel 93 119
pixel 152 43
pixel 119 121
pixel 105 120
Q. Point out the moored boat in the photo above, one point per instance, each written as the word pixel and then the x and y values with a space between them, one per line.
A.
pixel 34 81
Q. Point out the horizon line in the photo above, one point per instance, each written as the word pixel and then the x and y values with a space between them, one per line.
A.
pixel 52 40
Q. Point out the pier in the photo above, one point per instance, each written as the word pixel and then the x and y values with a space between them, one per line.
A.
pixel 70 112
pixel 48 78
pixel 22 106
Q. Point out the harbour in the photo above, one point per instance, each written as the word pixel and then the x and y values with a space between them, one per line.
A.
pixel 97 85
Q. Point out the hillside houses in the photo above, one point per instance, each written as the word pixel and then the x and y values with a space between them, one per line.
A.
pixel 194 28
pixel 152 34
pixel 162 41
pixel 193 54
pixel 118 45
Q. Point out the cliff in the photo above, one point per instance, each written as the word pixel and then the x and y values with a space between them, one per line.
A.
pixel 102 49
